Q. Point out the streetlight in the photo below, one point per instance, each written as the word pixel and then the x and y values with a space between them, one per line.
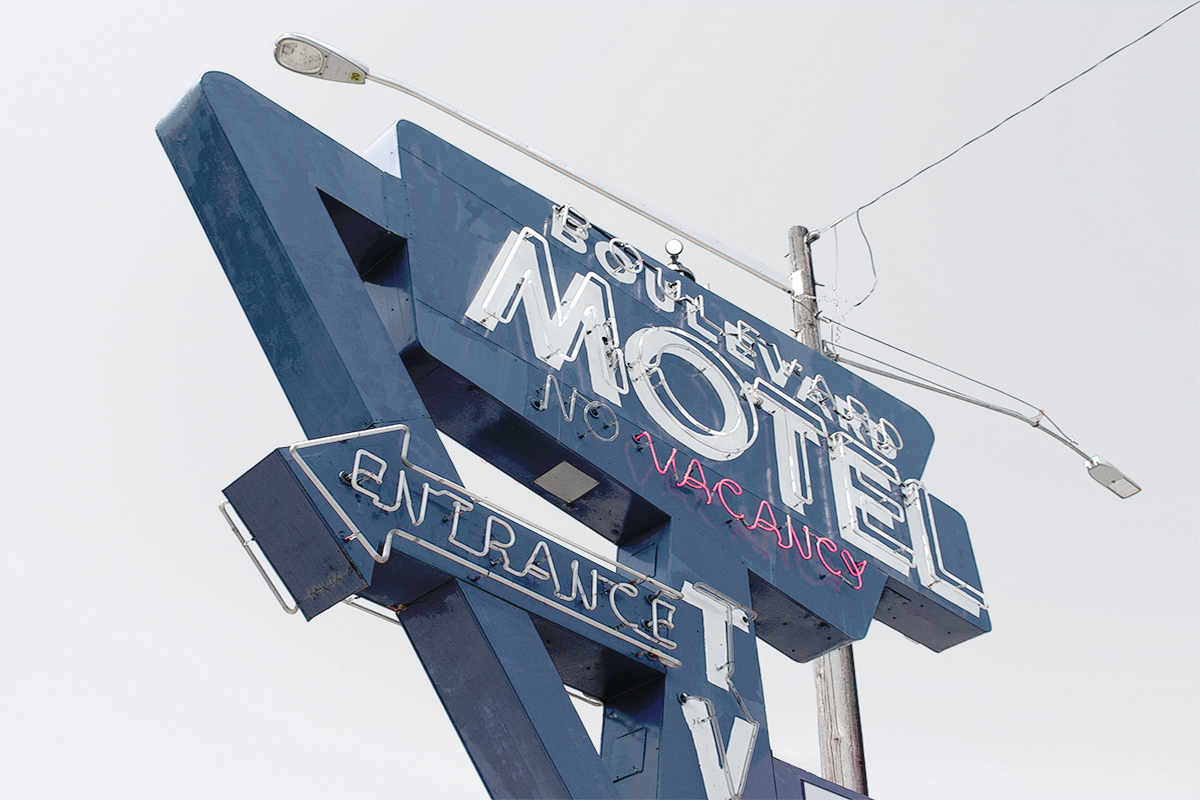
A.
pixel 308 56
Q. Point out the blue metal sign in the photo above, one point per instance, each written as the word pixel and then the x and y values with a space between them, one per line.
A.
pixel 753 487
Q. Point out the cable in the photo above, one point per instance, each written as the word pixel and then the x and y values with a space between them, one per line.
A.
pixel 836 333
pixel 915 379
pixel 1001 122
pixel 927 361
pixel 922 383
pixel 929 381
pixel 930 384
pixel 871 254
pixel 1035 421
pixel 1041 414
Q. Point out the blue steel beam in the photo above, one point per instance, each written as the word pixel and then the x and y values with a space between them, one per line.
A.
pixel 368 292
pixel 488 664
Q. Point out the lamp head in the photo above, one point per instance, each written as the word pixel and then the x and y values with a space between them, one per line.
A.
pixel 308 56
pixel 1111 477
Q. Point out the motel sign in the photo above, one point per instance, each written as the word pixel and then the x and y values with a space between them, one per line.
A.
pixel 753 488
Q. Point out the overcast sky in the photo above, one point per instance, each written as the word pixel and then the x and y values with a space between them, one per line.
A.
pixel 1057 259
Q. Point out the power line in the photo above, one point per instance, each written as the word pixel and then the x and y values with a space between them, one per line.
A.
pixel 871 255
pixel 926 383
pixel 998 124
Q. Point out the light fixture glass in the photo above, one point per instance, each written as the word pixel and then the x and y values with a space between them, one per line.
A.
pixel 1111 477
pixel 299 56
pixel 308 56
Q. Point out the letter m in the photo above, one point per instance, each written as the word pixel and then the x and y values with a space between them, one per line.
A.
pixel 583 318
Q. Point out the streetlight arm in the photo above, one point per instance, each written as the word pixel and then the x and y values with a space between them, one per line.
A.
pixel 308 56
pixel 1103 472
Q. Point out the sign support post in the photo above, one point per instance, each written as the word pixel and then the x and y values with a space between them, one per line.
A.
pixel 839 726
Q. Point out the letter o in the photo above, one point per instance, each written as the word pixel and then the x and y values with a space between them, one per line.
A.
pixel 644 351
pixel 629 260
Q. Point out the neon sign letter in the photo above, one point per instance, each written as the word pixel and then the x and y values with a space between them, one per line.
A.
pixel 582 318
pixel 646 349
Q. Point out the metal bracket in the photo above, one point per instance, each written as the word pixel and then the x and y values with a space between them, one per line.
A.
pixel 258 560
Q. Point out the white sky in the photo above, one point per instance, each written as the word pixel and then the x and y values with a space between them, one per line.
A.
pixel 1057 259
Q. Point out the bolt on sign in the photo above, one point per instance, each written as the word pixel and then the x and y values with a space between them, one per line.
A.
pixel 753 488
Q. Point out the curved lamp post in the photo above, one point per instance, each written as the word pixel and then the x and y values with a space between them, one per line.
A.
pixel 308 56
pixel 1103 472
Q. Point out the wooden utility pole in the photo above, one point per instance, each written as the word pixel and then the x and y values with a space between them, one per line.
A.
pixel 804 287
pixel 839 726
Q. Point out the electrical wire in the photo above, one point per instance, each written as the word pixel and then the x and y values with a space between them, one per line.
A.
pixel 857 213
pixel 1035 421
pixel 927 361
pixel 835 334
pixel 871 254
pixel 846 349
pixel 928 383
pixel 1001 122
